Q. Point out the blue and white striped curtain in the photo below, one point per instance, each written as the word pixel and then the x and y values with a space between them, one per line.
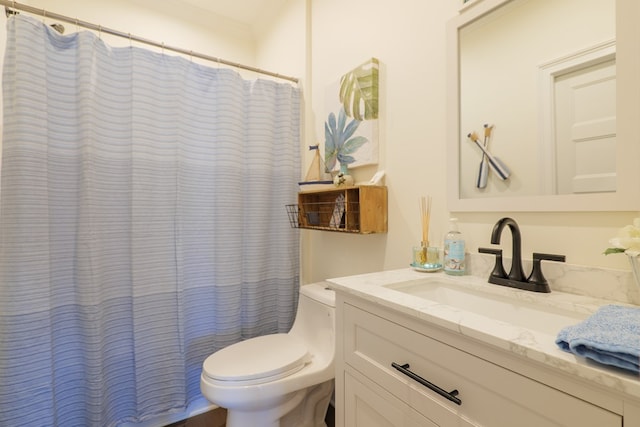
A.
pixel 142 225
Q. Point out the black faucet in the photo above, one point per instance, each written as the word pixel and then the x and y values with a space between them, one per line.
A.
pixel 516 278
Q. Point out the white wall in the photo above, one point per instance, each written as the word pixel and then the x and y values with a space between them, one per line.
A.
pixel 408 37
pixel 165 21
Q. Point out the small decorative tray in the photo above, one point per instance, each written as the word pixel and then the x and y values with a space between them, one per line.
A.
pixel 426 268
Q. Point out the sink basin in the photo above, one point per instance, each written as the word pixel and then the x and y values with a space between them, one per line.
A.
pixel 501 307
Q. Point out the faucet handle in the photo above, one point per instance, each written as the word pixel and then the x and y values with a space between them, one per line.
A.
pixel 536 277
pixel 498 269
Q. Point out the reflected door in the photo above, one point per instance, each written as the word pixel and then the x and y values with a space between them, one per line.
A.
pixel 585 133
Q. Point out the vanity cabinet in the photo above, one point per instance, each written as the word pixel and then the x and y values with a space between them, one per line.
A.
pixel 358 209
pixel 371 392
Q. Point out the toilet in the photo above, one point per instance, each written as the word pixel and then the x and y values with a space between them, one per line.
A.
pixel 279 380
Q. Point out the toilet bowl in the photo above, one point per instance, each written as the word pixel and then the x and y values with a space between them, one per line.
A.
pixel 279 380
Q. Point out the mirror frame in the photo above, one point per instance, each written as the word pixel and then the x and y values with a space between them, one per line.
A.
pixel 627 194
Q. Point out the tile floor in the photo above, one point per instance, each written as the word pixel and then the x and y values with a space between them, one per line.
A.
pixel 216 418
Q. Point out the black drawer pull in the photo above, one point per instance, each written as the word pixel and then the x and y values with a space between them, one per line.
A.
pixel 451 395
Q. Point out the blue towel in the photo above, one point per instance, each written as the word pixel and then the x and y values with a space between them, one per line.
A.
pixel 610 336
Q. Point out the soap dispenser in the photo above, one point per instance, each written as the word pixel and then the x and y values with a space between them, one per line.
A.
pixel 454 248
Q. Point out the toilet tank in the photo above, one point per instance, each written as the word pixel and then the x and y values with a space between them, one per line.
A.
pixel 315 319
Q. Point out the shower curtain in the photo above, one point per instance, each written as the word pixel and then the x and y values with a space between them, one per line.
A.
pixel 142 225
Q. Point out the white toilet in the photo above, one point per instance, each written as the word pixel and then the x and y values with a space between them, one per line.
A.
pixel 280 379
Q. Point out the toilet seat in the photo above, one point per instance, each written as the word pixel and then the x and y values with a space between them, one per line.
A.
pixel 257 360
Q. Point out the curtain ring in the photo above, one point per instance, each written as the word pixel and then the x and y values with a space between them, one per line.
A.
pixel 77 26
pixel 100 32
pixel 191 55
pixel 130 44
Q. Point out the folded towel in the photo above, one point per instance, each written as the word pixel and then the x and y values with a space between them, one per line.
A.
pixel 610 336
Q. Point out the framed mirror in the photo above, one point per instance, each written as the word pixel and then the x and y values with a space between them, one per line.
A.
pixel 557 85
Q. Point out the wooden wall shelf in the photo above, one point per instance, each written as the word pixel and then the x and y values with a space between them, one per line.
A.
pixel 361 209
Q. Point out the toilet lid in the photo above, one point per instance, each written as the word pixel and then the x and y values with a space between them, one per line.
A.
pixel 257 360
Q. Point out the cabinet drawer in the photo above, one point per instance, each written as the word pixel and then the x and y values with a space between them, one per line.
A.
pixel 368 405
pixel 490 395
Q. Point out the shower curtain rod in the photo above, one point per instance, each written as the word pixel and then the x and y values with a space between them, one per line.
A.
pixel 46 14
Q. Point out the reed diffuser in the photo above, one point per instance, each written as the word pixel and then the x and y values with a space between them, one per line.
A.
pixel 425 257
pixel 420 257
pixel 425 215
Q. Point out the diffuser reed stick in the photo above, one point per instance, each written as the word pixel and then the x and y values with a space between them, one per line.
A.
pixel 425 215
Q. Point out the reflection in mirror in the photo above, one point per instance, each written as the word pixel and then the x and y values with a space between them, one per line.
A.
pixel 556 82
pixel 547 85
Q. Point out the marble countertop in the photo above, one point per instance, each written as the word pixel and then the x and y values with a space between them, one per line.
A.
pixel 527 342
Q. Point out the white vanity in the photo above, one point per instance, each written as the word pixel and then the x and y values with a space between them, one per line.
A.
pixel 487 351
